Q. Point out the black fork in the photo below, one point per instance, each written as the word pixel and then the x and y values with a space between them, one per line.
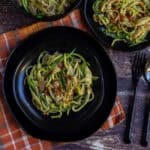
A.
pixel 137 72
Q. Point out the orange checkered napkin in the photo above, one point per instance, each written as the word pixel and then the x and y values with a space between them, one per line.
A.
pixel 12 137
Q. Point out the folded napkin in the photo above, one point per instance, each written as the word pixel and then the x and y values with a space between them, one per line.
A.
pixel 12 137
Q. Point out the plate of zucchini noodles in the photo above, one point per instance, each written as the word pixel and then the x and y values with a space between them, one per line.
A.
pixel 46 9
pixel 55 84
pixel 121 24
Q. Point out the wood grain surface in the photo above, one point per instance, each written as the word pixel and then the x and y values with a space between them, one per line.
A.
pixel 112 139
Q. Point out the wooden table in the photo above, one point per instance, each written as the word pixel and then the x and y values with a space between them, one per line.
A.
pixel 110 139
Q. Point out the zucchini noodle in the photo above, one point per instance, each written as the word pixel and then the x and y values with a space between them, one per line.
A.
pixel 124 20
pixel 40 8
pixel 60 83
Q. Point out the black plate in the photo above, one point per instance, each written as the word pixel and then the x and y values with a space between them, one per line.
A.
pixel 107 40
pixel 78 125
pixel 74 5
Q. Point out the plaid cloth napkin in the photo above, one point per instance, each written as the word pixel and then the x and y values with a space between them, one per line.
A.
pixel 12 137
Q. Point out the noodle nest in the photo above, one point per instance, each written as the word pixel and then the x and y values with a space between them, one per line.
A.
pixel 60 83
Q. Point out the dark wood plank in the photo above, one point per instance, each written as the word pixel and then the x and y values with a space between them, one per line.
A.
pixel 10 19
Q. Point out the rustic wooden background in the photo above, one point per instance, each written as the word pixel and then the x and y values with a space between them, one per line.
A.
pixel 111 139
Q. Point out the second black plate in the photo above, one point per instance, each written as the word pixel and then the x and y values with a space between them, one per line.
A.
pixel 103 38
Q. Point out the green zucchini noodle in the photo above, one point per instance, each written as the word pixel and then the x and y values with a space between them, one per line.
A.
pixel 60 83
pixel 124 20
pixel 42 8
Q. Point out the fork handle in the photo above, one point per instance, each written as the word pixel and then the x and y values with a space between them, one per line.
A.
pixel 146 125
pixel 130 118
